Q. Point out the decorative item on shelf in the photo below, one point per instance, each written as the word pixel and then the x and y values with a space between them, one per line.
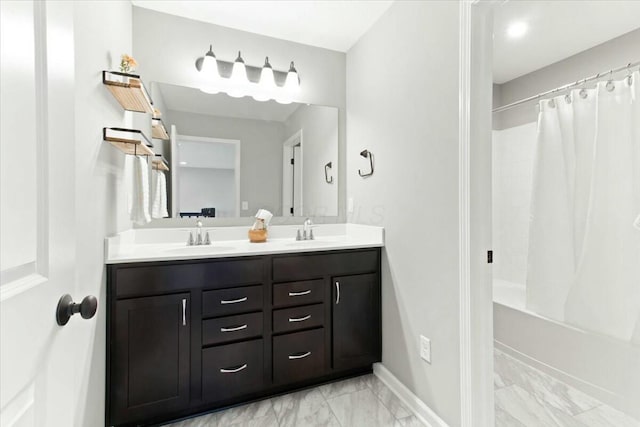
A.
pixel 258 232
pixel 158 131
pixel 238 79
pixel 367 154
pixel 156 113
pixel 127 63
pixel 159 163
pixel 326 174
pixel 129 141
pixel 128 90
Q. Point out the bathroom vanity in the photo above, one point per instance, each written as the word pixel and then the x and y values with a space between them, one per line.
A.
pixel 187 336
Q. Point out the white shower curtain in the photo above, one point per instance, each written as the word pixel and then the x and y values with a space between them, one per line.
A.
pixel 584 252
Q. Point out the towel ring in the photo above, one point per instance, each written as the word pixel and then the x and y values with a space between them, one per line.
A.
pixel 326 175
pixel 367 154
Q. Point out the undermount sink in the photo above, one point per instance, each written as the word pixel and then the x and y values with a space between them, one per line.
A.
pixel 204 249
pixel 303 243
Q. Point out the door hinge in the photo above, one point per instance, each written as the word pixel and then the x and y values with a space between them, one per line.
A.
pixel 489 257
pixel 292 161
pixel 291 210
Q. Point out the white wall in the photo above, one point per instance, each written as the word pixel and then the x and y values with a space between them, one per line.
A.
pixel 102 32
pixel 512 183
pixel 319 147
pixel 208 188
pixel 168 56
pixel 403 107
pixel 260 154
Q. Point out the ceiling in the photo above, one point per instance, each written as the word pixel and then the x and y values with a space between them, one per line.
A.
pixel 189 100
pixel 330 24
pixel 557 30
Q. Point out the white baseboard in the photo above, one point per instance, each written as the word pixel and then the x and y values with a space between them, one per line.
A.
pixel 411 401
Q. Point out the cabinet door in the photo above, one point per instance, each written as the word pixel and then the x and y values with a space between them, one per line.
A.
pixel 150 370
pixel 356 321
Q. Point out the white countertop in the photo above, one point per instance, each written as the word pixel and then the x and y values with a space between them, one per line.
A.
pixel 167 244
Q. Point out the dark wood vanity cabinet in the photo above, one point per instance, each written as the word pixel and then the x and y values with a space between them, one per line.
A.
pixel 186 337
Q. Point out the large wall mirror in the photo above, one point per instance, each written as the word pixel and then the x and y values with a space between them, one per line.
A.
pixel 230 157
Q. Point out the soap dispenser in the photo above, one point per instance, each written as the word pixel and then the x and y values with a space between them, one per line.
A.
pixel 258 232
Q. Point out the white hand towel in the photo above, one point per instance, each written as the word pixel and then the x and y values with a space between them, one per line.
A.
pixel 636 223
pixel 140 192
pixel 159 203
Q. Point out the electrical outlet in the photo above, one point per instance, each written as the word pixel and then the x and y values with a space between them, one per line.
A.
pixel 350 205
pixel 245 206
pixel 425 348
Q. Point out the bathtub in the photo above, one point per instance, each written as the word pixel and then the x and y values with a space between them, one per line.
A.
pixel 603 367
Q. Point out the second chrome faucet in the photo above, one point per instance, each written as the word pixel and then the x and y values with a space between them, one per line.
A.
pixel 198 240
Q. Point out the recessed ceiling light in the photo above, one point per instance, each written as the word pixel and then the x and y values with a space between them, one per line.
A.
pixel 517 29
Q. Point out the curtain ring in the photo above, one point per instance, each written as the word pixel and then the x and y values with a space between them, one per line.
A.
pixel 583 93
pixel 552 103
pixel 610 86
pixel 567 98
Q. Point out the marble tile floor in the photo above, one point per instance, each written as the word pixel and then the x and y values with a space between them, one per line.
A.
pixel 524 397
pixel 527 397
pixel 361 401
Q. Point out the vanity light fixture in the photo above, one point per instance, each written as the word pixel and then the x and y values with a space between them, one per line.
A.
pixel 210 75
pixel 267 84
pixel 239 82
pixel 238 79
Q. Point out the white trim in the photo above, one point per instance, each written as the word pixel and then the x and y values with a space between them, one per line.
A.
pixel 20 286
pixel 411 401
pixel 464 216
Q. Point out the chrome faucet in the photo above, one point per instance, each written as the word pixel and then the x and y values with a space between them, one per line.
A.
pixel 198 240
pixel 307 230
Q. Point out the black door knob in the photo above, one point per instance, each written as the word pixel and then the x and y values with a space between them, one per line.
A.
pixel 67 308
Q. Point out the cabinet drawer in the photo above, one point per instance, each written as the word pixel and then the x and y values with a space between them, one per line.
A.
pixel 232 301
pixel 232 370
pixel 294 319
pixel 298 293
pixel 298 356
pixel 231 328
pixel 305 267
pixel 153 279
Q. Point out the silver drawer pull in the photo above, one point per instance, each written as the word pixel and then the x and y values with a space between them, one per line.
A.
pixel 184 312
pixel 233 329
pixel 233 371
pixel 299 356
pixel 233 301
pixel 299 319
pixel 298 294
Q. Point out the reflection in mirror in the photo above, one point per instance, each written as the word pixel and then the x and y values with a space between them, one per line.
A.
pixel 232 156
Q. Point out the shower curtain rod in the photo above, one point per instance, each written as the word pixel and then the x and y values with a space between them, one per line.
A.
pixel 565 87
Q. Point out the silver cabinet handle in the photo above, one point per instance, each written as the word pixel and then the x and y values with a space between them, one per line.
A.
pixel 337 292
pixel 184 312
pixel 300 319
pixel 233 371
pixel 233 301
pixel 297 294
pixel 299 356
pixel 233 329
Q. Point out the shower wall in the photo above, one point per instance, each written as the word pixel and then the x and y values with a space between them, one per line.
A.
pixel 512 160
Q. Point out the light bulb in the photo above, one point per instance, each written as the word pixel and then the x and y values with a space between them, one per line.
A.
pixel 267 85
pixel 209 71
pixel 292 84
pixel 239 81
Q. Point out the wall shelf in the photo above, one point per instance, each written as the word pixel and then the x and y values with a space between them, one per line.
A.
pixel 128 90
pixel 129 141
pixel 159 163
pixel 158 130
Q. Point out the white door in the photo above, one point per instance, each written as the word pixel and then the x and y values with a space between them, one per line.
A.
pixel 38 368
pixel 292 175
